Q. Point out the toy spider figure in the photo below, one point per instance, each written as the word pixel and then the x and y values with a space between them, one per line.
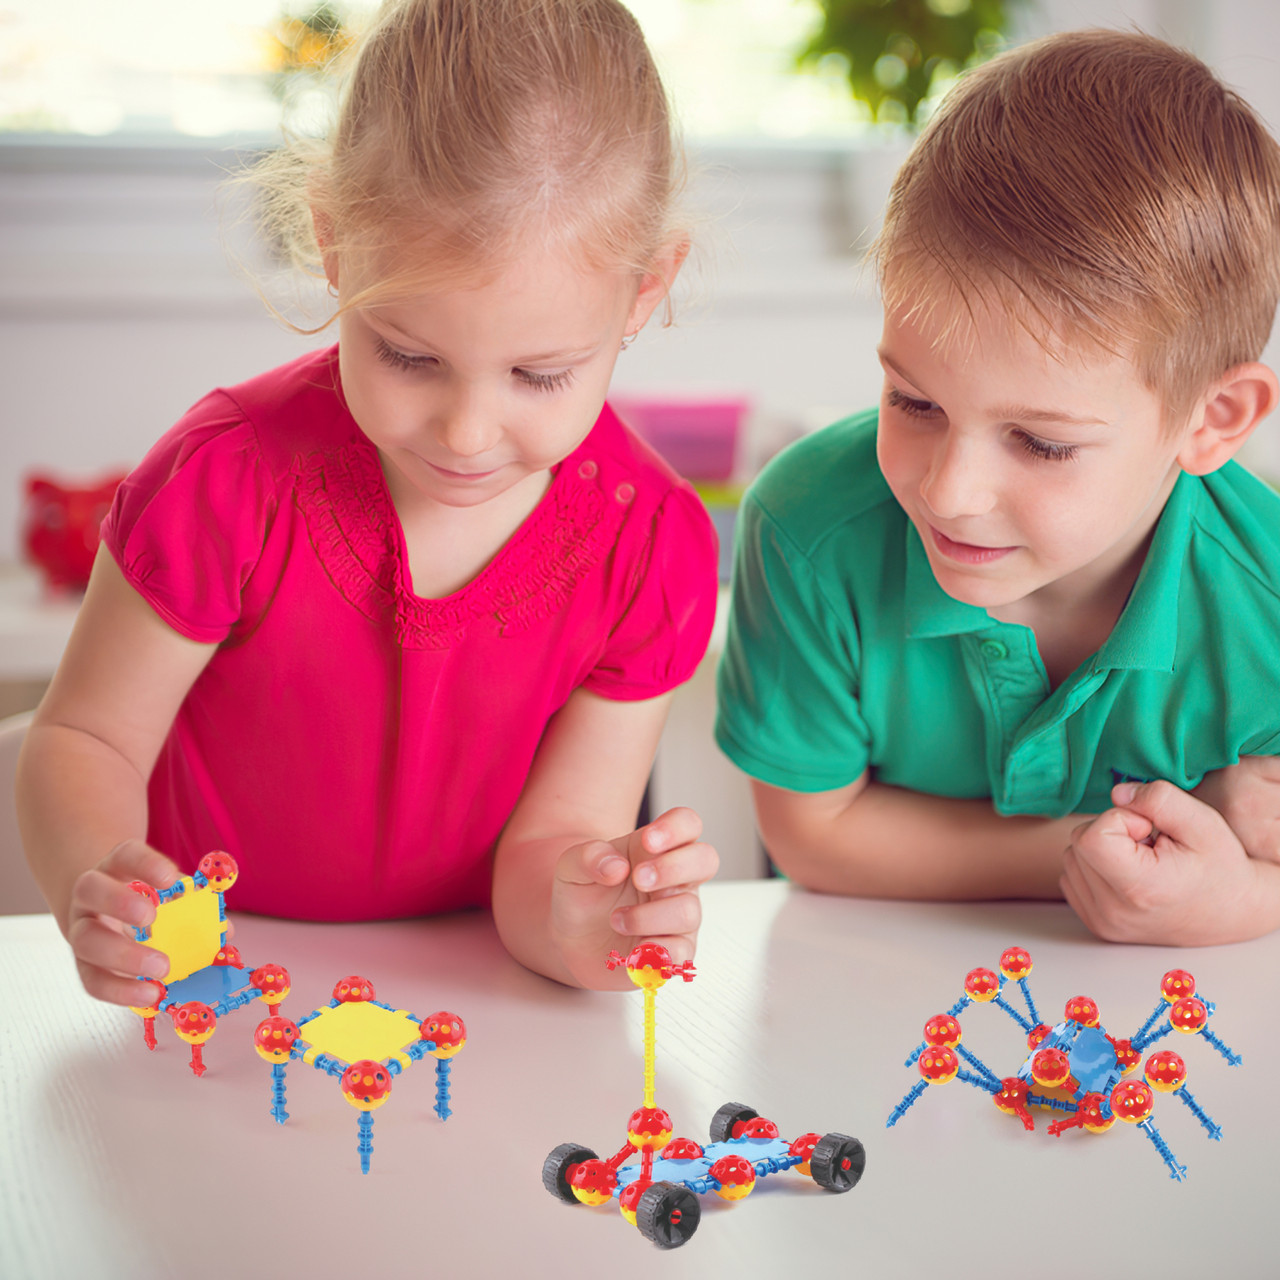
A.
pixel 1076 1064
pixel 660 1195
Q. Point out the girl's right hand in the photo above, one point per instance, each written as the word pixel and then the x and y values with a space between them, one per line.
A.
pixel 113 965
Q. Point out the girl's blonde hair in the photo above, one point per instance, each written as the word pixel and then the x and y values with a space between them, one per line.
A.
pixel 1099 186
pixel 472 130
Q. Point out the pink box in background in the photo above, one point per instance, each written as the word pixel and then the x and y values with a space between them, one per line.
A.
pixel 697 435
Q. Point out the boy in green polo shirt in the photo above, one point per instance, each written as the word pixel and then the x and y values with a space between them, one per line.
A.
pixel 1017 634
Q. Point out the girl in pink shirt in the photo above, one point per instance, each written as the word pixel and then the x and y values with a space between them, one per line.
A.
pixel 397 624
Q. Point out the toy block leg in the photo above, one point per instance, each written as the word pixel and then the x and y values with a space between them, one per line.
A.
pixel 149 1030
pixel 1213 1130
pixel 277 1092
pixel 442 1108
pixel 365 1144
pixel 1176 1170
pixel 1231 1056
pixel 197 1061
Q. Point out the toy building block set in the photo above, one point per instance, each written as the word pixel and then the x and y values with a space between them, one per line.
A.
pixel 364 1043
pixel 1076 1065
pixel 660 1194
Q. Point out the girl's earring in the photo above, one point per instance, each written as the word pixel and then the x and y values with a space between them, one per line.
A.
pixel 628 339
pixel 330 290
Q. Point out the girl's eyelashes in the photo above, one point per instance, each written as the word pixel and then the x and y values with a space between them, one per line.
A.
pixel 545 381
pixel 389 355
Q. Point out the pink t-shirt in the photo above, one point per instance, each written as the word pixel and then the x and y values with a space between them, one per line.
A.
pixel 358 748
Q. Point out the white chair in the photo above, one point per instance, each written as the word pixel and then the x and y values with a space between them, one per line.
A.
pixel 18 892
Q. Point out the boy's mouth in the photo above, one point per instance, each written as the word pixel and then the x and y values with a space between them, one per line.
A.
pixel 966 552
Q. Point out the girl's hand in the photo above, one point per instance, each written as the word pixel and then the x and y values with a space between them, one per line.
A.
pixel 100 925
pixel 1164 867
pixel 642 887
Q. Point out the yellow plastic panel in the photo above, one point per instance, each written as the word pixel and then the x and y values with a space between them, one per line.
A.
pixel 187 930
pixel 360 1030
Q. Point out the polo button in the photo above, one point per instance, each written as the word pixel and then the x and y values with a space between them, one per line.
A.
pixel 588 470
pixel 625 492
pixel 994 650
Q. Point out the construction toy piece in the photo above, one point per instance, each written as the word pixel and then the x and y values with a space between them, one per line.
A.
pixel 365 1043
pixel 1076 1065
pixel 659 1196
pixel 207 979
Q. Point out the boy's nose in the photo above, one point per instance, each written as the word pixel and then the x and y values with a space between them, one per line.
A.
pixel 959 482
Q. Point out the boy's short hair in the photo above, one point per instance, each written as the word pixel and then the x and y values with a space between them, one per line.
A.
pixel 1105 187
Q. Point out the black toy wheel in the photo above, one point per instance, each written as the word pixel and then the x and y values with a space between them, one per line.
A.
pixel 668 1214
pixel 723 1121
pixel 837 1162
pixel 555 1169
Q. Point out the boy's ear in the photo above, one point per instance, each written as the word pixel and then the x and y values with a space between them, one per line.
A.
pixel 656 283
pixel 1233 406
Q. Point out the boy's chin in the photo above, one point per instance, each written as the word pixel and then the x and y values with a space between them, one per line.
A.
pixel 984 592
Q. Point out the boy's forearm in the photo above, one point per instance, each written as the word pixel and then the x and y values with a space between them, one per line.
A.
pixel 77 798
pixel 888 842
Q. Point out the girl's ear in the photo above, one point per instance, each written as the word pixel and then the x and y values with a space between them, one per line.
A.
pixel 656 283
pixel 1231 409
pixel 322 224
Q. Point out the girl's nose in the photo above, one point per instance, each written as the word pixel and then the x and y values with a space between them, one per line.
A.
pixel 960 480
pixel 465 425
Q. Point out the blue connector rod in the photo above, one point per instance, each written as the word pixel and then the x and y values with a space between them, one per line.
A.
pixel 974 1061
pixel 978 1082
pixel 1031 1004
pixel 1144 1039
pixel 905 1105
pixel 277 1093
pixel 1002 1003
pixel 1188 1098
pixel 443 1066
pixel 1231 1056
pixel 365 1145
pixel 1156 1013
pixel 1176 1170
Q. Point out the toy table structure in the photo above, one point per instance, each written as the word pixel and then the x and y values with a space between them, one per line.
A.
pixel 365 1043
pixel 1076 1064
pixel 207 978
pixel 659 1196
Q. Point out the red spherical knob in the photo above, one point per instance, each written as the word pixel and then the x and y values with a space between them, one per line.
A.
pixel 220 870
pixel 1015 963
pixel 981 985
pixel 759 1127
pixel 1012 1098
pixel 1188 1015
pixel 353 990
pixel 147 891
pixel 194 1022
pixel 1132 1101
pixel 1082 1010
pixel 1050 1068
pixel 1037 1034
pixel 942 1029
pixel 274 1037
pixel 681 1149
pixel 938 1064
pixel 1165 1071
pixel 649 1129
pixel 445 1030
pixel 803 1147
pixel 366 1084
pixel 1176 984
pixel 273 981
pixel 1091 1116
pixel 735 1175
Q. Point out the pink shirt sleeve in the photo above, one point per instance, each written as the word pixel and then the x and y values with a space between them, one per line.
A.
pixel 187 526
pixel 661 638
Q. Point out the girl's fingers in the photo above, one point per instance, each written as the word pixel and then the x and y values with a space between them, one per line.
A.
pixel 137 860
pixel 688 865
pixel 98 945
pixel 675 913
pixel 98 894
pixel 592 862
pixel 668 831
pixel 114 989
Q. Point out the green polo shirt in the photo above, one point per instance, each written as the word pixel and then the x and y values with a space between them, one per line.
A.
pixel 843 651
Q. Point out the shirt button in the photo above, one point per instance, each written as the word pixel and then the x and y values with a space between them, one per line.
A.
pixel 625 492
pixel 994 650
pixel 588 470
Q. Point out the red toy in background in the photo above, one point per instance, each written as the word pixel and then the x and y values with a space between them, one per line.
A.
pixel 60 527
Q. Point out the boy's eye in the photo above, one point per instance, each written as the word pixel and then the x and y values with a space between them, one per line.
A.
pixel 400 359
pixel 545 381
pixel 908 404
pixel 1046 449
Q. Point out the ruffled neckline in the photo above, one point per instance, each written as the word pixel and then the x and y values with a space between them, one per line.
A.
pixel 356 532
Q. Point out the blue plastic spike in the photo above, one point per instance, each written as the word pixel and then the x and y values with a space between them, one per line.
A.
pixel 1231 1056
pixel 443 1066
pixel 1002 1003
pixel 365 1145
pixel 905 1105
pixel 1176 1170
pixel 1214 1130
pixel 277 1092
pixel 915 1054
pixel 1161 1008
pixel 974 1061
pixel 1055 1104
pixel 1144 1041
pixel 979 1082
pixel 1031 1004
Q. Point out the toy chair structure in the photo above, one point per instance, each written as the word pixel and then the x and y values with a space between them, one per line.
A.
pixel 207 979
pixel 659 1196
pixel 365 1043
pixel 1078 1067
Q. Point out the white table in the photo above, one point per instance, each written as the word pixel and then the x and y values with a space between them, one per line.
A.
pixel 119 1163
